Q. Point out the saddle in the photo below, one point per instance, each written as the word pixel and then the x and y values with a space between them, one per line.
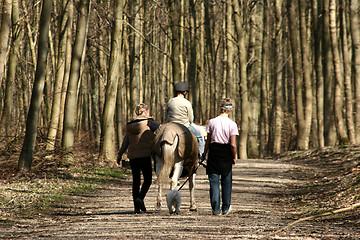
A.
pixel 188 148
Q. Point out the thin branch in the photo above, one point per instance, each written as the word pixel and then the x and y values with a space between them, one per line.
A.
pixel 333 212
pixel 146 40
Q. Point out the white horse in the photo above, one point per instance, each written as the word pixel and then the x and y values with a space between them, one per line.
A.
pixel 175 149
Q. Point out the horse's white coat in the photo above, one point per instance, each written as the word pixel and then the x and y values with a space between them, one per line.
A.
pixel 170 153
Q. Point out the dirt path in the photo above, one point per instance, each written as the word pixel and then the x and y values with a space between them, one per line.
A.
pixel 258 187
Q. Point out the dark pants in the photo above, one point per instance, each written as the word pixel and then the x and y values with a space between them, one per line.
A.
pixel 226 186
pixel 139 165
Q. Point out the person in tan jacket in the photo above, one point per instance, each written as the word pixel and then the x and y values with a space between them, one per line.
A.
pixel 138 142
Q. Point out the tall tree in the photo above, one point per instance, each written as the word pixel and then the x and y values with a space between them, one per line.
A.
pixel 317 26
pixel 4 43
pixel 329 121
pixel 4 34
pixel 59 75
pixel 8 112
pixel 175 9
pixel 278 89
pixel 26 155
pixel 305 59
pixel 338 73
pixel 348 86
pixel 135 57
pixel 264 114
pixel 254 81
pixel 74 78
pixel 108 131
pixel 303 113
pixel 355 36
pixel 242 48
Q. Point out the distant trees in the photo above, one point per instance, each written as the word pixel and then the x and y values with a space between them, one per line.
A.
pixel 291 67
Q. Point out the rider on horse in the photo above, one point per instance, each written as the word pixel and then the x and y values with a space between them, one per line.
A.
pixel 179 110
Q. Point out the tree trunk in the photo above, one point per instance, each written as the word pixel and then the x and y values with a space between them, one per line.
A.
pixel 302 137
pixel 264 115
pixel 26 155
pixel 355 36
pixel 68 56
pixel 74 78
pixel 4 34
pixel 254 72
pixel 244 122
pixel 107 151
pixel 4 44
pixel 30 34
pixel 209 58
pixel 306 65
pixel 8 113
pixel 339 80
pixel 59 78
pixel 193 81
pixel 317 26
pixel 329 123
pixel 200 46
pixel 349 100
pixel 230 50
pixel 175 9
pixel 278 89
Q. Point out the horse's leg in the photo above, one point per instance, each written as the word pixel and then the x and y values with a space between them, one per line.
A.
pixel 178 168
pixel 159 199
pixel 158 203
pixel 192 193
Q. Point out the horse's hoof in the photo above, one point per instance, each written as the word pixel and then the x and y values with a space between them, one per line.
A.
pixel 193 209
pixel 158 206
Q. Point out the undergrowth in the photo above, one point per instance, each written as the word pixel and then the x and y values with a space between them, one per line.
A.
pixel 330 179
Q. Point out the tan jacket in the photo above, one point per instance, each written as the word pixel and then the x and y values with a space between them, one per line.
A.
pixel 140 138
pixel 179 110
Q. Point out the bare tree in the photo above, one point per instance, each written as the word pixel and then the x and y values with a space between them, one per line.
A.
pixel 242 48
pixel 108 131
pixel 59 75
pixel 303 112
pixel 4 43
pixel 26 155
pixel 278 89
pixel 348 89
pixel 8 116
pixel 339 80
pixel 317 26
pixel 355 35
pixel 71 93
pixel 264 114
pixel 329 121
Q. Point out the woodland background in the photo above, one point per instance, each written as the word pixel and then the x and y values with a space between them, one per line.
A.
pixel 71 72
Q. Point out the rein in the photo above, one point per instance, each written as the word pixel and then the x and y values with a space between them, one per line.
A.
pixel 200 163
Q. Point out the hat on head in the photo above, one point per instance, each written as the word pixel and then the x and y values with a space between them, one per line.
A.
pixel 181 87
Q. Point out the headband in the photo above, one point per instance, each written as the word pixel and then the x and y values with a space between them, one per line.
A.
pixel 226 106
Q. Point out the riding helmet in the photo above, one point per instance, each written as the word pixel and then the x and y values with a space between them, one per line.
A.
pixel 181 87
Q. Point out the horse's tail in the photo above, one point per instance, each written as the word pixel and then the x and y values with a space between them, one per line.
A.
pixel 168 158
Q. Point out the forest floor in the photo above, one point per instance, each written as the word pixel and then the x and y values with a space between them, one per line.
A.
pixel 268 194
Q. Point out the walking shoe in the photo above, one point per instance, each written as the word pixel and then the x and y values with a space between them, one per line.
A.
pixel 216 213
pixel 140 203
pixel 228 211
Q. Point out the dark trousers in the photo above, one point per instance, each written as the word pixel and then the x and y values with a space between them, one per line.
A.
pixel 138 166
pixel 226 187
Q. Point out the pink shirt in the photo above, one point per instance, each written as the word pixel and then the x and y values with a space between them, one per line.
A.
pixel 221 129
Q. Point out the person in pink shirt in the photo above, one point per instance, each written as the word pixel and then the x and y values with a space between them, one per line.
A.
pixel 221 149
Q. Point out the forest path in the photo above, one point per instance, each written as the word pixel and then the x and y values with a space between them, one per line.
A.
pixel 260 190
